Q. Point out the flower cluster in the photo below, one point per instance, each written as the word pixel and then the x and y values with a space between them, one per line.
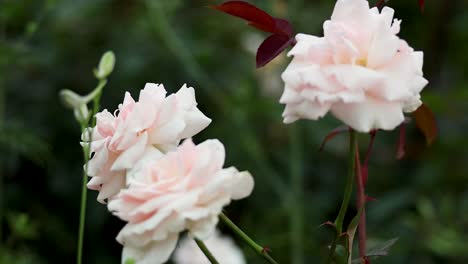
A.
pixel 160 188
pixel 360 70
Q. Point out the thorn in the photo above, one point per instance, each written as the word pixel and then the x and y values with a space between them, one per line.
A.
pixel 370 199
pixel 328 223
pixel 332 134
pixel 266 250
pixel 366 260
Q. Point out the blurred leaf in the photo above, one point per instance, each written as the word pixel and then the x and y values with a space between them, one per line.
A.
pixel 382 249
pixel 272 47
pixel 21 140
pixel 31 28
pixel 426 122
pixel 21 226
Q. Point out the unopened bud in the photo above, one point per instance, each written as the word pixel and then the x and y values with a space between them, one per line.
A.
pixel 81 113
pixel 106 65
pixel 71 99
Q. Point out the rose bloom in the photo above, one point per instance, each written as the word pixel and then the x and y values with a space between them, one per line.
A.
pixel 360 71
pixel 184 190
pixel 222 247
pixel 154 123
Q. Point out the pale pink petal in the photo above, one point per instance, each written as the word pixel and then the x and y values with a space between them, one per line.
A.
pixel 129 157
pixel 156 252
pixel 369 115
pixel 112 187
pixel 244 185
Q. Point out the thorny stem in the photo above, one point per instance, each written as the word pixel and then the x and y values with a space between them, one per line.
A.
pixel 361 180
pixel 206 251
pixel 361 203
pixel 262 251
pixel 347 193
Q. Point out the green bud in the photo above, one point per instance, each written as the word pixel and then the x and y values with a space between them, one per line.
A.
pixel 81 113
pixel 71 99
pixel 106 65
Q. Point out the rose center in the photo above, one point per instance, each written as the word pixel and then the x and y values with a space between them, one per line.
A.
pixel 361 62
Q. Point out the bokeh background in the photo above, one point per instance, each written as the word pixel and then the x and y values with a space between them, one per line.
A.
pixel 48 45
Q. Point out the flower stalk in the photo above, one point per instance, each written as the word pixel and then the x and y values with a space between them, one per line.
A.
pixel 106 66
pixel 347 193
pixel 262 251
pixel 361 203
pixel 206 251
pixel 86 155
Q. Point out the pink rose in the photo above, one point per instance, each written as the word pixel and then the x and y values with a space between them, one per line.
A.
pixel 222 247
pixel 360 70
pixel 154 123
pixel 185 189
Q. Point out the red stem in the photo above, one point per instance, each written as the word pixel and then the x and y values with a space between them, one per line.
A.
pixel 361 203
pixel 380 3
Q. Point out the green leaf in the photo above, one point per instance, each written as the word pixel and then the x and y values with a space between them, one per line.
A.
pixel 351 232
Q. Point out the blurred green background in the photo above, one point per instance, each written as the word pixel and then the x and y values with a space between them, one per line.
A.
pixel 48 45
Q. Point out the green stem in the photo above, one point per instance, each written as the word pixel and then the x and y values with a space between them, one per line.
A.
pixel 97 99
pixel 86 152
pixel 2 109
pixel 297 209
pixel 83 202
pixel 206 251
pixel 347 193
pixel 250 242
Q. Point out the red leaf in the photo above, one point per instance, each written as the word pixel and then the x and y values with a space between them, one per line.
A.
pixel 283 27
pixel 421 5
pixel 254 15
pixel 332 134
pixel 272 47
pixel 426 123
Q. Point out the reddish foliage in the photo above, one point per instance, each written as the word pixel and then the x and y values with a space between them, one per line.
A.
pixel 421 5
pixel 426 123
pixel 254 15
pixel 272 47
pixel 282 30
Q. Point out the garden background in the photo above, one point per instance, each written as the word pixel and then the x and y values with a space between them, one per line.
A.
pixel 49 45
